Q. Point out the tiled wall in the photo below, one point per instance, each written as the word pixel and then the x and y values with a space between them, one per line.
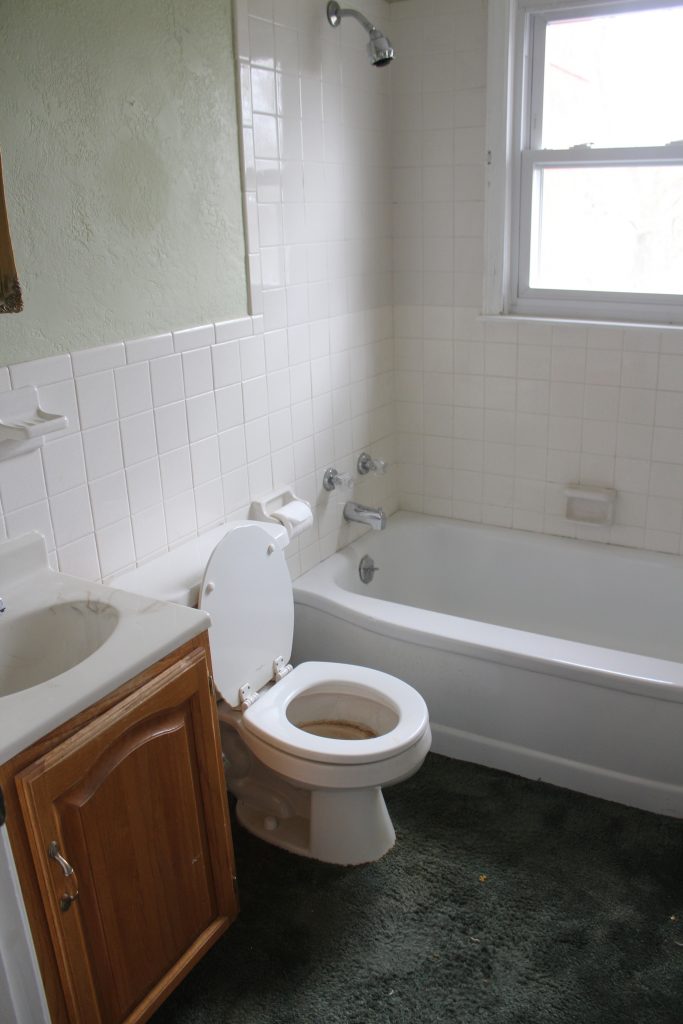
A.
pixel 170 435
pixel 366 333
pixel 494 418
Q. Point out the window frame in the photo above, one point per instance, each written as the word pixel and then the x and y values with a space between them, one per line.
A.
pixel 513 157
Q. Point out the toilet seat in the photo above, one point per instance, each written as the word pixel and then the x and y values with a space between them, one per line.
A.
pixel 247 591
pixel 267 718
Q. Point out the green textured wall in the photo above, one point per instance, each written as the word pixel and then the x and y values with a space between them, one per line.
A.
pixel 118 131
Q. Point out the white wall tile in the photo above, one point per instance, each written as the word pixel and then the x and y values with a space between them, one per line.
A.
pixel 201 417
pixel 63 463
pixel 194 337
pixel 109 499
pixel 176 472
pixel 209 504
pixel 38 372
pixel 133 388
pixel 171 427
pixel 138 437
pixel 226 364
pixel 197 372
pixel 102 449
pixel 143 482
pixel 71 515
pixel 80 558
pixel 115 547
pixel 95 360
pixel 181 517
pixel 96 396
pixel 149 532
pixel 153 347
pixel 205 460
pixel 232 449
pixel 22 481
pixel 167 380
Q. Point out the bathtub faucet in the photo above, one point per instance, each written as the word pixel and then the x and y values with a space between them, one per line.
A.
pixel 374 517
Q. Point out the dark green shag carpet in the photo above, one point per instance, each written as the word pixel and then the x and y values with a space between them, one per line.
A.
pixel 504 901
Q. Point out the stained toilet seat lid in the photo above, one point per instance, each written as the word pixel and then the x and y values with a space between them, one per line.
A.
pixel 267 717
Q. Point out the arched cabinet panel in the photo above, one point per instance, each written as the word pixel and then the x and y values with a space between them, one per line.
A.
pixel 127 825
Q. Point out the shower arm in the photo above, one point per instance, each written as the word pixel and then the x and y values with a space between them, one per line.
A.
pixel 335 13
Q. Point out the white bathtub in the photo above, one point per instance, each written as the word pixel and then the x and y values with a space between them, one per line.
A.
pixel 550 658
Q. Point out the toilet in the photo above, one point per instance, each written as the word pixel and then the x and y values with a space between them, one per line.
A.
pixel 307 749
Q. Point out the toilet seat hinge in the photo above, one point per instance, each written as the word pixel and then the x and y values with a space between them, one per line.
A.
pixel 247 696
pixel 280 669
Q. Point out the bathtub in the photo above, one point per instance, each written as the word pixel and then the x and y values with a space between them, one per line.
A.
pixel 553 659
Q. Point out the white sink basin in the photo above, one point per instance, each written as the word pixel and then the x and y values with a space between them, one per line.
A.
pixel 46 642
pixel 65 643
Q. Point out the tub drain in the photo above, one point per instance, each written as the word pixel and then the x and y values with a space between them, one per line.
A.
pixel 367 569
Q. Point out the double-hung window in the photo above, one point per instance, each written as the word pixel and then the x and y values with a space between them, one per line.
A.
pixel 585 152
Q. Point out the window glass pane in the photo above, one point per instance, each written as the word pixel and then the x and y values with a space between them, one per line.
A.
pixel 614 80
pixel 616 229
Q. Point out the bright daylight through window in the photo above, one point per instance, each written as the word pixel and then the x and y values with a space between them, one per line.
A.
pixel 594 192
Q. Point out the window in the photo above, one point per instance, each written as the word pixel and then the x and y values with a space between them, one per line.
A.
pixel 585 139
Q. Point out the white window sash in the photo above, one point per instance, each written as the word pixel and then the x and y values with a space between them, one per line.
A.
pixel 513 131
pixel 534 162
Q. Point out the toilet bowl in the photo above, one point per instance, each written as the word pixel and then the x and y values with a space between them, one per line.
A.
pixel 307 749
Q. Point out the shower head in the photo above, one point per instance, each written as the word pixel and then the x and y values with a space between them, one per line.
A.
pixel 380 50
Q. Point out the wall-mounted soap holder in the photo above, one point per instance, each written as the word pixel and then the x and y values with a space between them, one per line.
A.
pixel 23 424
pixel 591 505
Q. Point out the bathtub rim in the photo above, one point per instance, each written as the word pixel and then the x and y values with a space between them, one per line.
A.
pixel 586 663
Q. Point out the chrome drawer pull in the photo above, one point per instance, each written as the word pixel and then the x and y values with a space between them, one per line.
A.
pixel 54 854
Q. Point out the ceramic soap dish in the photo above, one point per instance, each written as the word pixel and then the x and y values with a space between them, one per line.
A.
pixel 23 424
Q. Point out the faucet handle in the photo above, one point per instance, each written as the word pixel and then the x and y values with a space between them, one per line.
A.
pixel 332 480
pixel 366 464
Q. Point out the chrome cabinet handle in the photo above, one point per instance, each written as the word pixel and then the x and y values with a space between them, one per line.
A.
pixel 53 853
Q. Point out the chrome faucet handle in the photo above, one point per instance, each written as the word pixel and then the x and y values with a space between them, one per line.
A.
pixel 332 480
pixel 366 464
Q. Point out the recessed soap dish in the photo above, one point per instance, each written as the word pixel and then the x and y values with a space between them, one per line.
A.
pixel 23 424
pixel 591 505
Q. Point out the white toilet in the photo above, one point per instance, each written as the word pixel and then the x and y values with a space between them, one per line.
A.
pixel 307 749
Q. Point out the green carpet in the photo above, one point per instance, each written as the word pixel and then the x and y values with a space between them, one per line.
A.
pixel 504 901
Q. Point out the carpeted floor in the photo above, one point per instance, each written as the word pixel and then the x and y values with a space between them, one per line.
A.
pixel 504 901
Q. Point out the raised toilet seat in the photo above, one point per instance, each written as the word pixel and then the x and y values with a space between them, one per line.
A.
pixel 307 748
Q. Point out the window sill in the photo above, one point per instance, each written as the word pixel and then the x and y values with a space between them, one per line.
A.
pixel 526 318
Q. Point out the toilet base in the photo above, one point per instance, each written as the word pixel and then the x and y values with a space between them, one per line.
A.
pixel 346 826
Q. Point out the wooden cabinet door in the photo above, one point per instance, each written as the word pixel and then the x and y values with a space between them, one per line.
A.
pixel 136 804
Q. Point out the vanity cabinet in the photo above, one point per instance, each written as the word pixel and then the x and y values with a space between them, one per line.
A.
pixel 121 837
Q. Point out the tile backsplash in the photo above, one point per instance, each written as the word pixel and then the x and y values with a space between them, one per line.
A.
pixel 169 436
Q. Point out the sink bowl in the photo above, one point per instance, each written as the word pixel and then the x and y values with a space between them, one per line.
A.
pixel 43 643
pixel 66 643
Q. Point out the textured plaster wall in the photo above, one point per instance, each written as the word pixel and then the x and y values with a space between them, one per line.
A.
pixel 118 131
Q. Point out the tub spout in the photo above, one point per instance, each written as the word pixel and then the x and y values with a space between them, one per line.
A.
pixel 374 517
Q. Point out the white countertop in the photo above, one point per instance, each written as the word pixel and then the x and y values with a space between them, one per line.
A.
pixel 147 629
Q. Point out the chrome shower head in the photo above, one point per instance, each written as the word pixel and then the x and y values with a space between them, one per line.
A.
pixel 379 49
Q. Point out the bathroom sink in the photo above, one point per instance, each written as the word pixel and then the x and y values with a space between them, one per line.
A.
pixel 46 642
pixel 65 643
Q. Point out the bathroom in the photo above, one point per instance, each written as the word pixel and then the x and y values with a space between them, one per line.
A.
pixel 353 269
